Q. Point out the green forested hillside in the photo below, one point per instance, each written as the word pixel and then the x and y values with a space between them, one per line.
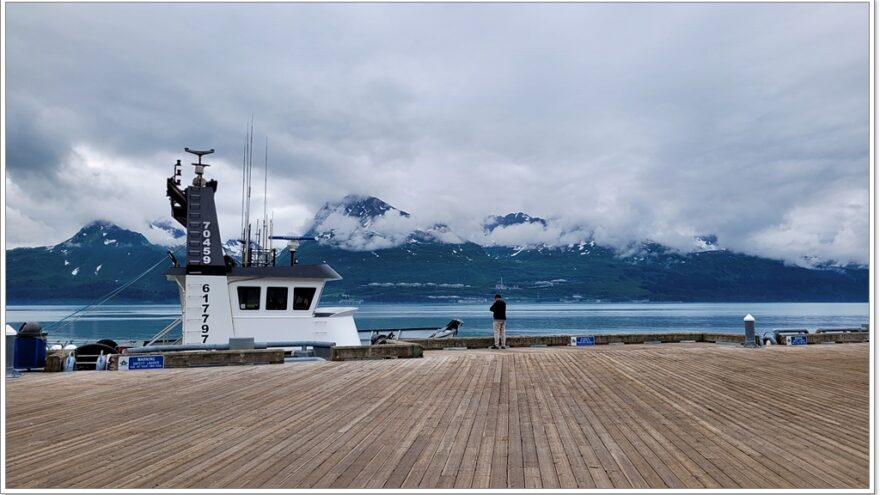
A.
pixel 102 257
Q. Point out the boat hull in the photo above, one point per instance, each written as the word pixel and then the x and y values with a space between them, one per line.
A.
pixel 366 336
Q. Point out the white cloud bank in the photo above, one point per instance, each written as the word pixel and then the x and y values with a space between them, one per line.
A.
pixel 630 121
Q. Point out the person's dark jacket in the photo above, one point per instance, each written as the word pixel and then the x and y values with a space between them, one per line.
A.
pixel 499 310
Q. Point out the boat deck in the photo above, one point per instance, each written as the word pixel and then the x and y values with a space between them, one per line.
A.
pixel 642 416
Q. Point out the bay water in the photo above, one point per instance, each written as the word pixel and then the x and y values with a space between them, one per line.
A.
pixel 139 322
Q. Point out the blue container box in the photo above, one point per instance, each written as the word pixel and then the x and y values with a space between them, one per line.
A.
pixel 30 352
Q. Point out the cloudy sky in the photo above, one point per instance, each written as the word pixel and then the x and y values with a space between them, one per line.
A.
pixel 633 121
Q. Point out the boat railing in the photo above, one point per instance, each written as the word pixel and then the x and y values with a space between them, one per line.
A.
pixel 260 257
pixel 162 333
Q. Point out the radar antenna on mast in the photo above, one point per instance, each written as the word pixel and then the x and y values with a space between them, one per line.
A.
pixel 199 181
pixel 292 244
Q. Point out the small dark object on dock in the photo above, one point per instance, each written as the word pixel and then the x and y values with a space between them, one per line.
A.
pixel 87 355
pixel 109 343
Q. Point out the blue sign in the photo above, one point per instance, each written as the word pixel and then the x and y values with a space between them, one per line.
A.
pixel 144 362
pixel 590 340
pixel 797 340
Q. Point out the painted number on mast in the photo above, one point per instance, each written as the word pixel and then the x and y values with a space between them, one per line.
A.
pixel 206 243
pixel 206 328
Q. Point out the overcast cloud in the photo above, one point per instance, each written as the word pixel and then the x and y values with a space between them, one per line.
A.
pixel 630 121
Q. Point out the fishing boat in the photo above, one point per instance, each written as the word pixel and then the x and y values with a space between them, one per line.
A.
pixel 222 298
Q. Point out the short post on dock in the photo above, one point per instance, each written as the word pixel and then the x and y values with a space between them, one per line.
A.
pixel 750 331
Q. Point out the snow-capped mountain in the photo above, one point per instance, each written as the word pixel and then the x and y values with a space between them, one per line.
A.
pixel 521 231
pixel 423 267
pixel 364 208
pixel 493 222
pixel 439 232
pixel 165 233
pixel 365 223
pixel 91 264
pixel 706 243
pixel 104 233
pixel 233 248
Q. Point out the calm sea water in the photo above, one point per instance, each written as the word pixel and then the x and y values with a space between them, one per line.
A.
pixel 124 323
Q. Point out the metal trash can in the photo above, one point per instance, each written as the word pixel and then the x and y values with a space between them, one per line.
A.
pixel 30 347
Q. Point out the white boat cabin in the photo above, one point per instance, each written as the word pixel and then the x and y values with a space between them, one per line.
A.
pixel 222 298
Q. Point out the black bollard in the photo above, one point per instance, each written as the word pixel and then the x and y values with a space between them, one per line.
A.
pixel 750 331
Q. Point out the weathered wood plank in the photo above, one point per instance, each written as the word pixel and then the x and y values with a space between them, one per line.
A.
pixel 483 468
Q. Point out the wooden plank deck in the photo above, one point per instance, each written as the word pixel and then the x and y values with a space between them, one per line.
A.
pixel 658 416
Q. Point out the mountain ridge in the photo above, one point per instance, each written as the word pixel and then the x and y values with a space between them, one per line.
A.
pixel 422 267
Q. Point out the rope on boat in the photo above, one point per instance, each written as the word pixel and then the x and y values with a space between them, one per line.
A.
pixel 58 324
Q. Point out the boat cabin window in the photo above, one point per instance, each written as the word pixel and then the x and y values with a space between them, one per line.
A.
pixel 302 297
pixel 276 298
pixel 248 298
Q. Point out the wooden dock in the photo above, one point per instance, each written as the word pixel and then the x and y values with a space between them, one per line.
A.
pixel 642 416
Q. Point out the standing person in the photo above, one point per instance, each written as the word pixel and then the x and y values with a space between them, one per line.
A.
pixel 499 322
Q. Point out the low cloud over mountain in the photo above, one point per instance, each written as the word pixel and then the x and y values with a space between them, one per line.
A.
pixel 103 257
pixel 367 223
pixel 362 223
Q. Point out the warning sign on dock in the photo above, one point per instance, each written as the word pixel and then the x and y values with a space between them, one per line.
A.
pixel 141 362
pixel 796 340
pixel 588 340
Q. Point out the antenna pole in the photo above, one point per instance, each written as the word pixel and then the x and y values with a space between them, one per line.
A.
pixel 265 240
pixel 250 161
pixel 259 231
pixel 243 176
